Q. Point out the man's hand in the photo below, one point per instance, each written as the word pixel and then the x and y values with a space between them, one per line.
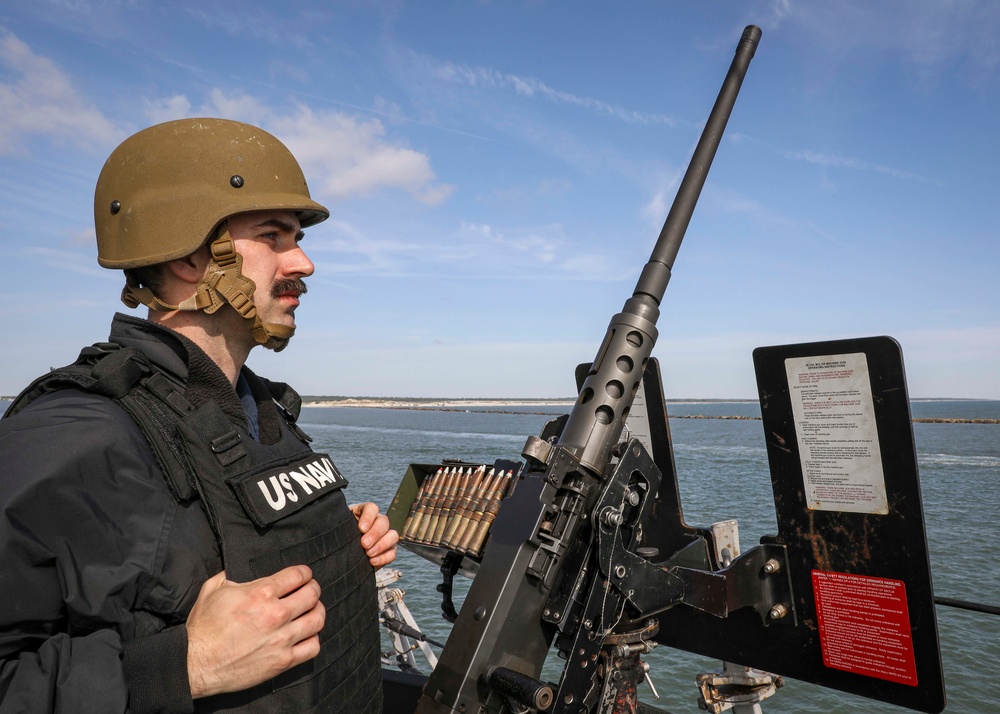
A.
pixel 242 634
pixel 377 538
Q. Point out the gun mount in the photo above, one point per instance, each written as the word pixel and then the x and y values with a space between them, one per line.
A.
pixel 589 554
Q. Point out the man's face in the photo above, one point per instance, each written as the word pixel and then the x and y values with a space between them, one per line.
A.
pixel 272 258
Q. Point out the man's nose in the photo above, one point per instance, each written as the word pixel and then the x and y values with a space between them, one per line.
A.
pixel 298 263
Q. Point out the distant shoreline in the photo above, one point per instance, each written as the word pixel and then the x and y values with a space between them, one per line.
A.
pixel 459 403
pixel 503 406
pixel 518 406
pixel 429 403
pixel 444 403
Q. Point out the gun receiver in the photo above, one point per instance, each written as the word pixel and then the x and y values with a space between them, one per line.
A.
pixel 536 581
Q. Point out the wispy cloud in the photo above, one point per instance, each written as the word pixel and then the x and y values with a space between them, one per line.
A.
pixel 540 245
pixel 251 21
pixel 778 223
pixel 482 77
pixel 656 208
pixel 529 251
pixel 841 162
pixel 358 253
pixel 923 32
pixel 38 99
pixel 353 156
pixel 472 250
pixel 73 261
pixel 850 163
pixel 343 156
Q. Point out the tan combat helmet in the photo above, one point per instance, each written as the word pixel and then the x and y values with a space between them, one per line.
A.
pixel 166 191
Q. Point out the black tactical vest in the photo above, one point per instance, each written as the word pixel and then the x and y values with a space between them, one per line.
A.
pixel 271 506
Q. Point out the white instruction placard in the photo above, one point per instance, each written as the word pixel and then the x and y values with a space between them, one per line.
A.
pixel 838 439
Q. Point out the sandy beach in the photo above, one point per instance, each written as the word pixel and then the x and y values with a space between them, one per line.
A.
pixel 404 403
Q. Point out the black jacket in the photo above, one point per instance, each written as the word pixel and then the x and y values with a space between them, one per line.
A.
pixel 100 562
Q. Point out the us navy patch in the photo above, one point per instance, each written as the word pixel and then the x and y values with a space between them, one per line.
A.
pixel 270 495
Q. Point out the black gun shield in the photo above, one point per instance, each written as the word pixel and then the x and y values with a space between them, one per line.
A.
pixel 864 618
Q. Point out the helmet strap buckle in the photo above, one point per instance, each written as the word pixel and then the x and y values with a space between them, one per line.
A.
pixel 224 283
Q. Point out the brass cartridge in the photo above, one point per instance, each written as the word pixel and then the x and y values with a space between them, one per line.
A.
pixel 419 505
pixel 467 528
pixel 490 513
pixel 432 507
pixel 439 508
pixel 447 507
pixel 450 503
pixel 463 507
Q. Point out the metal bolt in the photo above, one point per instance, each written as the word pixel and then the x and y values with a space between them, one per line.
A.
pixel 236 181
pixel 778 611
pixel 632 497
pixel 611 517
pixel 772 566
pixel 116 206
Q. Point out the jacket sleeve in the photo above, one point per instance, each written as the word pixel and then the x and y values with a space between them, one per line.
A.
pixel 156 673
pixel 66 674
pixel 83 510
pixel 99 674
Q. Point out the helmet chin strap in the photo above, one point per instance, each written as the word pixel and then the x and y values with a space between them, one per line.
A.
pixel 223 284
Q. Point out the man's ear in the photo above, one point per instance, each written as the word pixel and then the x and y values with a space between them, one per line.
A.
pixel 191 268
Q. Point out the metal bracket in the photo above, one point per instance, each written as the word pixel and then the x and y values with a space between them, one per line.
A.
pixel 737 688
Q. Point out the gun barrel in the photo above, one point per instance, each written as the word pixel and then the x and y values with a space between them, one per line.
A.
pixel 682 209
pixel 596 421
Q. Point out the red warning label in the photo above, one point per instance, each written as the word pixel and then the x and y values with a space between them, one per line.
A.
pixel 864 626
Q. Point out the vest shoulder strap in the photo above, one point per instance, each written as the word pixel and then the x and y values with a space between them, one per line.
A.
pixel 103 368
pixel 289 405
pixel 124 375
pixel 286 397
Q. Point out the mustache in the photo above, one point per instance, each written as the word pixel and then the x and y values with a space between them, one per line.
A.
pixel 285 285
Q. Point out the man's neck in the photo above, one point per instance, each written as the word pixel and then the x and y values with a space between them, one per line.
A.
pixel 224 337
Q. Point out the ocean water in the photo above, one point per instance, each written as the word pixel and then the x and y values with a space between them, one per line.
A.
pixel 722 472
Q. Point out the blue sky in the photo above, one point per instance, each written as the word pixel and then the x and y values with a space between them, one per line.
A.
pixel 498 173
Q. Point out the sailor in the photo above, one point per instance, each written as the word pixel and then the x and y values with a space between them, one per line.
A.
pixel 169 542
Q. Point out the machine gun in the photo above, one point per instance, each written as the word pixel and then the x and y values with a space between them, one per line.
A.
pixel 589 553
